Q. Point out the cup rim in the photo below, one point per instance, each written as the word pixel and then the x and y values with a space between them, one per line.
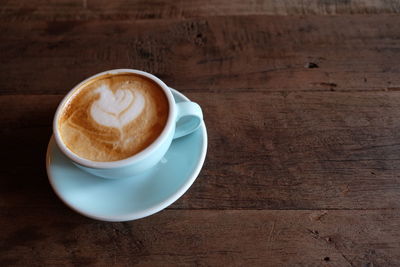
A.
pixel 129 160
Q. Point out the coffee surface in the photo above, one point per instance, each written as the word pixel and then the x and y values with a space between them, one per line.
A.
pixel 113 117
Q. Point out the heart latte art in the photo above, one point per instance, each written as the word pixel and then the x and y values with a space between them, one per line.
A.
pixel 113 117
pixel 116 110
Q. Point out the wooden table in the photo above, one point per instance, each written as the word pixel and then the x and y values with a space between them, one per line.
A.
pixel 302 105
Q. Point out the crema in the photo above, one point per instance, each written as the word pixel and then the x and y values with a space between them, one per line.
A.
pixel 113 117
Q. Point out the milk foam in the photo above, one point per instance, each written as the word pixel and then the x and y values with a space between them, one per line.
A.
pixel 116 109
pixel 113 117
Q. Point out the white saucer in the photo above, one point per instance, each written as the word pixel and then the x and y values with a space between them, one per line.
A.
pixel 130 198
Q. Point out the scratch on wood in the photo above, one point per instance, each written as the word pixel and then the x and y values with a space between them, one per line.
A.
pixel 346 259
pixel 345 190
pixel 271 233
pixel 84 3
pixel 314 233
pixel 317 216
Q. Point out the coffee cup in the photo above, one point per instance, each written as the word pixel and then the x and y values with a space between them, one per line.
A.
pixel 120 123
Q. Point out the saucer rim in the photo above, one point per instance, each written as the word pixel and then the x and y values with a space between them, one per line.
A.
pixel 146 212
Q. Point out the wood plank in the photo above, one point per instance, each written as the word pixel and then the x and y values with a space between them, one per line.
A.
pixel 299 150
pixel 248 53
pixel 234 238
pixel 20 10
pixel 302 115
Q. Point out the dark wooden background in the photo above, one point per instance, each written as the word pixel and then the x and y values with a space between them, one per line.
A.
pixel 302 103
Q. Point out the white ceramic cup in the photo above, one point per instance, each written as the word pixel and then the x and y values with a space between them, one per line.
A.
pixel 183 119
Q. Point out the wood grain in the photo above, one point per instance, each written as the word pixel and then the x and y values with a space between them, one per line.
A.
pixel 205 238
pixel 299 150
pixel 301 102
pixel 229 54
pixel 22 10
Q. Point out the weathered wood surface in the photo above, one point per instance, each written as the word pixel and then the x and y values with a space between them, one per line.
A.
pixel 224 54
pixel 206 238
pixel 303 150
pixel 21 10
pixel 302 113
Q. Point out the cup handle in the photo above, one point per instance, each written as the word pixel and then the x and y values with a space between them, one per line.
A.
pixel 189 118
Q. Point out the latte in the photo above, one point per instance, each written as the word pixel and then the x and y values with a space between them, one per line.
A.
pixel 113 117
